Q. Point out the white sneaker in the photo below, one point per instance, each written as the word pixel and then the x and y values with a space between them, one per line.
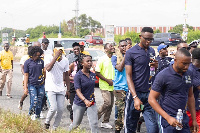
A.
pixel 106 125
pixel 33 117
pixel 41 115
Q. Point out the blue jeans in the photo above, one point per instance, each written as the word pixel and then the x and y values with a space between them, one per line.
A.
pixel 36 93
pixel 132 115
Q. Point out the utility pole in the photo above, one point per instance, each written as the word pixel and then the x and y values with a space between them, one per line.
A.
pixel 185 29
pixel 76 15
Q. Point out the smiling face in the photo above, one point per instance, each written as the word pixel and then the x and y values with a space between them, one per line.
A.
pixel 76 50
pixel 110 49
pixel 36 56
pixel 163 52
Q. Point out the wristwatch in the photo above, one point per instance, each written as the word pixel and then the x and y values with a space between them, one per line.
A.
pixel 134 96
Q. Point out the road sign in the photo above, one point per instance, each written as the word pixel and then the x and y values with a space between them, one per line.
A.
pixel 109 33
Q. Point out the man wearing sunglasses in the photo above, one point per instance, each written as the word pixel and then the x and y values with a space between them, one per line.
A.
pixel 137 67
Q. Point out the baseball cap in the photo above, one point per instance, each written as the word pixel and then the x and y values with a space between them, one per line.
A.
pixel 81 43
pixel 45 40
pixel 161 46
pixel 194 43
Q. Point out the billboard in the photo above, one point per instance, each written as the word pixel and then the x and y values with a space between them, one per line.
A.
pixel 109 34
pixel 4 38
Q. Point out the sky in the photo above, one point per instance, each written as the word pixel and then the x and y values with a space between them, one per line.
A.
pixel 23 14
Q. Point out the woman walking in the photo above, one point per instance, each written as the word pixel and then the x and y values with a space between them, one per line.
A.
pixel 84 83
pixel 34 81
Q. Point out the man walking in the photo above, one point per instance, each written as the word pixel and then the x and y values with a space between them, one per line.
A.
pixel 174 84
pixel 120 84
pixel 6 57
pixel 138 72
pixel 57 78
pixel 105 71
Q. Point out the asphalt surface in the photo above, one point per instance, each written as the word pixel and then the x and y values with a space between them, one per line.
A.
pixel 17 91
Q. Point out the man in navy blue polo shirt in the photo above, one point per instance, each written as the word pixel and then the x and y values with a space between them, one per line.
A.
pixel 163 60
pixel 174 84
pixel 195 69
pixel 138 72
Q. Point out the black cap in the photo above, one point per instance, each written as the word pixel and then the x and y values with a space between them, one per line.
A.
pixel 75 44
pixel 45 40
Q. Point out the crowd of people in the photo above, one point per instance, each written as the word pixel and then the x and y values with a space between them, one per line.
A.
pixel 124 73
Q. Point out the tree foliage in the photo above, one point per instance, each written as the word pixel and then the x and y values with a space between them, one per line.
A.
pixel 193 35
pixel 179 28
pixel 132 35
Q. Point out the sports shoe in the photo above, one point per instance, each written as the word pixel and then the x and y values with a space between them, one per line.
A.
pixel 20 105
pixel 106 125
pixel 41 115
pixel 9 96
pixel 46 125
pixel 45 107
pixel 33 117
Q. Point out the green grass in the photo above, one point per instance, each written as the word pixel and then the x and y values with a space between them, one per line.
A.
pixel 21 123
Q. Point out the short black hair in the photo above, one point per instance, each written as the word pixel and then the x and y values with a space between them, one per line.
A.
pixel 196 53
pixel 122 41
pixel 34 50
pixel 128 39
pixel 29 48
pixel 58 45
pixel 184 51
pixel 181 42
pixel 75 44
pixel 147 29
pixel 106 45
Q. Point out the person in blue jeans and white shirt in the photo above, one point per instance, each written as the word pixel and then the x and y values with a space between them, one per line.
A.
pixel 137 67
pixel 84 83
pixel 174 85
pixel 57 79
pixel 34 81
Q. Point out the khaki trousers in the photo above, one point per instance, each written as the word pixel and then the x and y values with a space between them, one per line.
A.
pixel 6 76
pixel 106 108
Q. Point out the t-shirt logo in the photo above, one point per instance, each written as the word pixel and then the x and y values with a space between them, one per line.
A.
pixel 93 78
pixel 151 55
pixel 188 79
pixel 39 62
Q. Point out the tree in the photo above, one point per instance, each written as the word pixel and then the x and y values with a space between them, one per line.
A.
pixel 157 31
pixel 193 35
pixel 132 35
pixel 179 28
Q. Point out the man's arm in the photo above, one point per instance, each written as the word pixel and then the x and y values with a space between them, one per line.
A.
pixel 66 82
pixel 156 106
pixel 12 63
pixel 51 64
pixel 109 81
pixel 191 106
pixel 26 83
pixel 131 86
pixel 22 69
pixel 121 66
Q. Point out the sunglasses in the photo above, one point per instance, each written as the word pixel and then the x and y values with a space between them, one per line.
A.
pixel 187 48
pixel 147 39
pixel 193 46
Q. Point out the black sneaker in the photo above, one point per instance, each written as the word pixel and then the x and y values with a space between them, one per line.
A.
pixel 45 108
pixel 46 125
pixel 20 105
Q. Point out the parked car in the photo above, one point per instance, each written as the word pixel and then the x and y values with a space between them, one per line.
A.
pixel 93 40
pixel 168 38
pixel 95 53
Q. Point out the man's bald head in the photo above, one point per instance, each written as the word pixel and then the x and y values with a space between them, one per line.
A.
pixel 182 61
pixel 181 53
pixel 37 44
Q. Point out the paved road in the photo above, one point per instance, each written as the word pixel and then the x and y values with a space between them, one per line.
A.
pixel 17 91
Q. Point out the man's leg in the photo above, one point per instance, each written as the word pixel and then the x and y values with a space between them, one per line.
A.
pixel 53 106
pixel 93 118
pixel 109 108
pixel 2 80
pixel 107 102
pixel 149 115
pixel 131 115
pixel 9 81
pixel 60 107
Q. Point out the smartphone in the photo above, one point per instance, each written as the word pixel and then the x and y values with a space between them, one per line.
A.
pixel 141 106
